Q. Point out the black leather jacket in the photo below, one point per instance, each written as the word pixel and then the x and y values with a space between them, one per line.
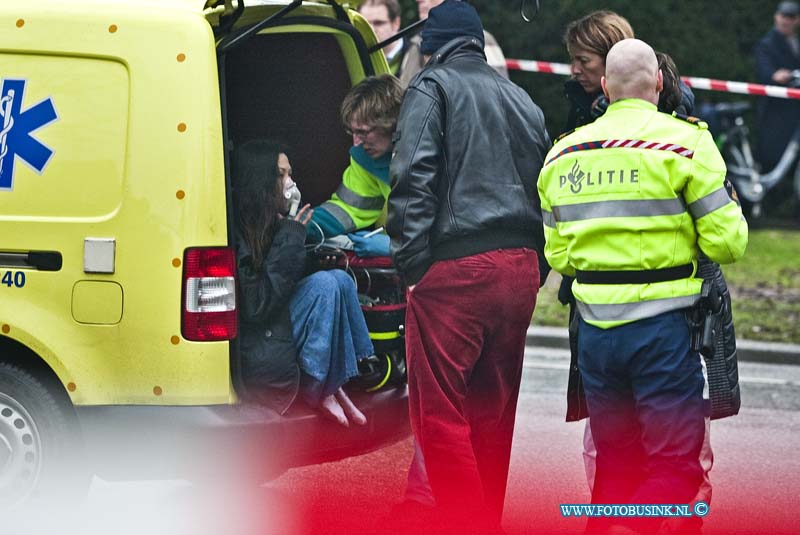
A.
pixel 468 149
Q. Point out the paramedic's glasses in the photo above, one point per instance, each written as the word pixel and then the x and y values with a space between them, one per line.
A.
pixel 360 133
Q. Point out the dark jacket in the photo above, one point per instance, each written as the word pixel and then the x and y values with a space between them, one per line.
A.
pixel 777 117
pixel 268 354
pixel 580 105
pixel 468 149
pixel 722 368
pixel 585 108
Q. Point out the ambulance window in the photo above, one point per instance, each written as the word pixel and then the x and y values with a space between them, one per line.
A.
pixel 71 117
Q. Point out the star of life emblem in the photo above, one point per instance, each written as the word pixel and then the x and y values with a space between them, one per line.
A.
pixel 16 128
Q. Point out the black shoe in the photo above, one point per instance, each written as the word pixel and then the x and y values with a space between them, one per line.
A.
pixel 372 359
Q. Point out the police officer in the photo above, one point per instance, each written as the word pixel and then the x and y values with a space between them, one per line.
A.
pixel 369 113
pixel 629 202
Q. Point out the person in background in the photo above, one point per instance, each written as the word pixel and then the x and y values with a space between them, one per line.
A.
pixel 642 379
pixel 675 97
pixel 384 17
pixel 588 41
pixel 369 113
pixel 465 226
pixel 777 55
pixel 299 334
pixel 414 60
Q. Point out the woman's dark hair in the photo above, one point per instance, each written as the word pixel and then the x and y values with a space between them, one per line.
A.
pixel 257 194
pixel 671 96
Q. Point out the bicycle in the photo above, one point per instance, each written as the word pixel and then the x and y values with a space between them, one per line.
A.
pixel 743 170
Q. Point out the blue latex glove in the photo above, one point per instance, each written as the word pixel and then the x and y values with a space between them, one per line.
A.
pixel 377 245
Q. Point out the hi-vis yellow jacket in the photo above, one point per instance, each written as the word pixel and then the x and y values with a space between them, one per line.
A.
pixel 637 191
pixel 360 199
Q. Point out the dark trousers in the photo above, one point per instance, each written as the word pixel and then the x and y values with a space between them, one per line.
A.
pixel 465 340
pixel 644 388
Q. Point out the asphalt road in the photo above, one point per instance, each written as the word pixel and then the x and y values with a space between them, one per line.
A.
pixel 755 475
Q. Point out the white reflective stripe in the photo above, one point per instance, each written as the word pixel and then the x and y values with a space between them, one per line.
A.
pixel 355 200
pixel 634 311
pixel 634 208
pixel 709 203
pixel 340 215
pixel 548 219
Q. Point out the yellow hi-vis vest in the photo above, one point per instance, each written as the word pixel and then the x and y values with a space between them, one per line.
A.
pixel 360 200
pixel 637 190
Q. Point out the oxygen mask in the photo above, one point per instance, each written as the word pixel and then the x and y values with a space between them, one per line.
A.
pixel 292 195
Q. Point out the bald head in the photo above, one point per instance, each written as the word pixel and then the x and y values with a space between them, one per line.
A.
pixel 632 72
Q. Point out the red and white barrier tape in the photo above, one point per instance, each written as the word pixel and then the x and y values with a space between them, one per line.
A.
pixel 696 83
pixel 537 66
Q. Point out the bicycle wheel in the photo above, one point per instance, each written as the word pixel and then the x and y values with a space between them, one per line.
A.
pixel 741 166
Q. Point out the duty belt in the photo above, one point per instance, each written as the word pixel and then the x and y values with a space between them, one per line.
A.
pixel 639 276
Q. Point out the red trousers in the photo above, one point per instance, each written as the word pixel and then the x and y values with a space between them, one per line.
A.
pixel 466 324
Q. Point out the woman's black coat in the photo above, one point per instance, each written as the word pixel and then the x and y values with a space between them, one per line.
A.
pixel 268 352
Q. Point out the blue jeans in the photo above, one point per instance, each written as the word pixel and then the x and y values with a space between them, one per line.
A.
pixel 329 331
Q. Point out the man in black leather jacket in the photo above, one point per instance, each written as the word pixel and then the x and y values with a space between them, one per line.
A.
pixel 465 223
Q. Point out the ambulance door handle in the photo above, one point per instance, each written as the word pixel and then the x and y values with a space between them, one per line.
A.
pixel 45 260
pixel 41 260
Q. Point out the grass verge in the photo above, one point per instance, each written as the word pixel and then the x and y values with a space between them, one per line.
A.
pixel 765 286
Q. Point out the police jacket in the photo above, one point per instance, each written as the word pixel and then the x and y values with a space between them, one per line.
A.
pixel 269 366
pixel 468 148
pixel 361 197
pixel 585 108
pixel 629 202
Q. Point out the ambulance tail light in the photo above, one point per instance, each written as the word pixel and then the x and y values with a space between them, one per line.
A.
pixel 209 294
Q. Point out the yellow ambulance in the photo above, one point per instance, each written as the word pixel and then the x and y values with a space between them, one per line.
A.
pixel 117 118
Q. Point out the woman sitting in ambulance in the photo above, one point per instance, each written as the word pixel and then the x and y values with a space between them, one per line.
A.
pixel 298 334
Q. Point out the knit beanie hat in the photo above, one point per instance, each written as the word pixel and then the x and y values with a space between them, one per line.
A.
pixel 447 21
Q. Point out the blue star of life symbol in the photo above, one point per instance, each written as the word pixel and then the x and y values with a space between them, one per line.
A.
pixel 16 127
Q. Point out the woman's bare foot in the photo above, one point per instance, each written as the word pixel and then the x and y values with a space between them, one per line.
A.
pixel 331 408
pixel 352 412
